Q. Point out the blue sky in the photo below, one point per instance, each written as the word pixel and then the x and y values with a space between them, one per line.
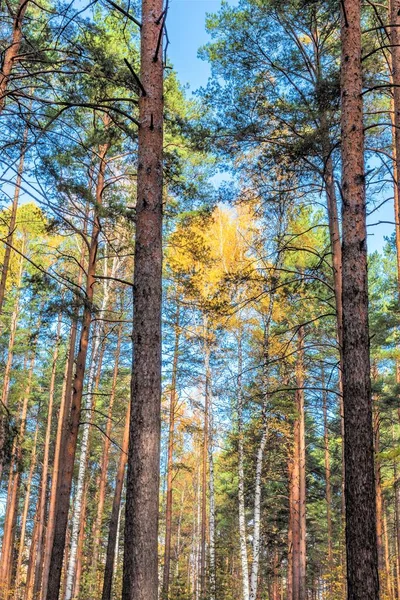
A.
pixel 186 31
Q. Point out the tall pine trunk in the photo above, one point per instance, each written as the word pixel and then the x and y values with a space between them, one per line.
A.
pixel 140 570
pixel 361 543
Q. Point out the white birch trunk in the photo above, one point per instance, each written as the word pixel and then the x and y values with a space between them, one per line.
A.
pixel 259 466
pixel 242 516
pixel 212 511
pixel 257 512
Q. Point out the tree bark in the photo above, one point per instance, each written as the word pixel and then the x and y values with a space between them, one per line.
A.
pixel 328 489
pixel 114 520
pixel 13 493
pixel 140 571
pixel 78 516
pixel 12 51
pixel 45 469
pixel 298 491
pixel 7 371
pixel 24 519
pixel 361 544
pixel 204 471
pixel 241 495
pixel 170 459
pixel 104 467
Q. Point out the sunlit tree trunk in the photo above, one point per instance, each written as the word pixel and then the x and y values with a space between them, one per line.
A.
pixel 8 367
pixel 170 459
pixel 12 50
pixel 81 541
pixel 241 495
pixel 46 461
pixel 114 520
pixel 24 519
pixel 328 490
pixel 104 467
pixel 13 492
pixel 78 516
pixel 140 570
pixel 361 543
pixel 205 460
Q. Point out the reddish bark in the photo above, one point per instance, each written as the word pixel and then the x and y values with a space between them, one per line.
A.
pixel 170 461
pixel 140 571
pixel 12 51
pixel 361 543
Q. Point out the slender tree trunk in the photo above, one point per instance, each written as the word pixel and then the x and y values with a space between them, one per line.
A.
pixel 205 452
pixel 13 493
pixel 361 544
pixel 170 460
pixel 290 563
pixel 113 525
pixel 81 540
pixel 328 490
pixel 140 571
pixel 45 469
pixel 298 491
pixel 64 480
pixel 104 467
pixel 257 508
pixel 61 437
pixel 12 51
pixel 394 34
pixel 24 519
pixel 78 516
pixel 241 495
pixel 7 371
pixel 211 487
pixel 259 466
pixel 302 447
